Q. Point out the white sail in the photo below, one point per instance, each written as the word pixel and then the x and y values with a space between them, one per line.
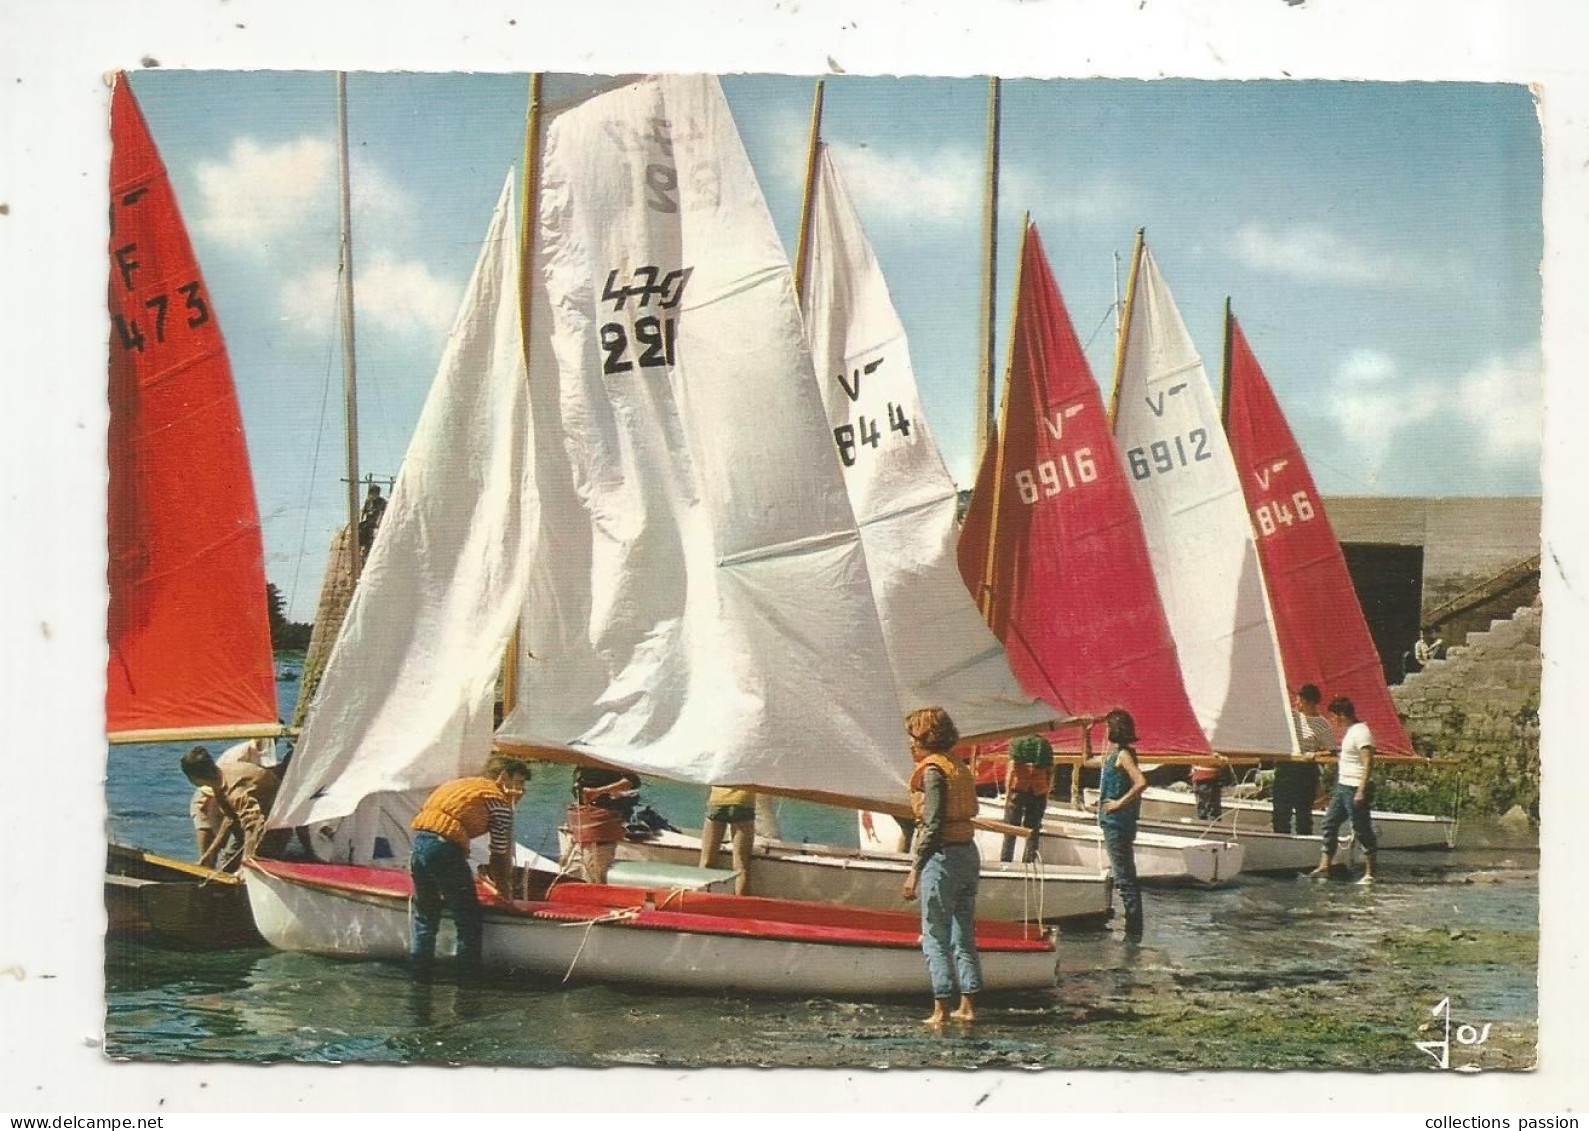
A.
pixel 406 702
pixel 940 649
pixel 699 604
pixel 1199 538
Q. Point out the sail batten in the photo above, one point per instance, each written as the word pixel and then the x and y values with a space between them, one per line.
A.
pixel 188 622
pixel 940 650
pixel 1175 457
pixel 1324 639
pixel 1053 530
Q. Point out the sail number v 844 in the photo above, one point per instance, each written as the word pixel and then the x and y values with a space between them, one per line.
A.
pixel 1166 455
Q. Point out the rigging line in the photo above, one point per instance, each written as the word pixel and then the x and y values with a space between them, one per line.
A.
pixel 1098 327
pixel 314 465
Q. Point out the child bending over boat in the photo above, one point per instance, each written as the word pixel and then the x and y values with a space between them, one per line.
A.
pixel 454 815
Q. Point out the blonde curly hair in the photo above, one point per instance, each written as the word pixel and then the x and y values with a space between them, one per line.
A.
pixel 931 728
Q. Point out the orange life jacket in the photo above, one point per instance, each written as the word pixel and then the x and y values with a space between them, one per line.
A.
pixel 1027 778
pixel 458 810
pixel 960 804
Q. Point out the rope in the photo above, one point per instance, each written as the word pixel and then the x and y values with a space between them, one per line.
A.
pixel 618 915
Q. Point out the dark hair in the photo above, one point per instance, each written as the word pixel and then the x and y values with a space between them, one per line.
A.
pixel 507 764
pixel 1309 693
pixel 374 490
pixel 1342 706
pixel 198 765
pixel 1121 727
pixel 932 729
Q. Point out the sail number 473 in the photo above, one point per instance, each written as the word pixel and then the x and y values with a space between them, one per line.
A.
pixel 1051 476
pixel 1273 515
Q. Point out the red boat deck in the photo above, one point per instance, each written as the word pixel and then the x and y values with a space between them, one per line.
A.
pixel 700 912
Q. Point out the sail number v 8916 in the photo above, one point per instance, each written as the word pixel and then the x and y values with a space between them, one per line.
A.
pixel 1167 455
pixel 1053 475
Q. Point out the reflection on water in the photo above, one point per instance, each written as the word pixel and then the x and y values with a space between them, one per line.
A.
pixel 1271 972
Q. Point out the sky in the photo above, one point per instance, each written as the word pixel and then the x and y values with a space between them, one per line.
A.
pixel 1380 242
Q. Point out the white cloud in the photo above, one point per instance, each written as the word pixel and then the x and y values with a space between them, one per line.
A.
pixel 1312 252
pixel 265 198
pixel 264 193
pixel 943 186
pixel 1055 199
pixel 1489 418
pixel 1502 400
pixel 392 295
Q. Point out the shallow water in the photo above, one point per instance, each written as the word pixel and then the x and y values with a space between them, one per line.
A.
pixel 1271 972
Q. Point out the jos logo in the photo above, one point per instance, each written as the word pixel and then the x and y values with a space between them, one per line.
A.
pixel 1440 1051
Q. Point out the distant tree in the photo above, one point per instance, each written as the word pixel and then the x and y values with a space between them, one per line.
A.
pixel 285 635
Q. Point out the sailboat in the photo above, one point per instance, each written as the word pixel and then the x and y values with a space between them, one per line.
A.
pixel 634 515
pixel 939 649
pixel 1323 637
pixel 188 624
pixel 1054 551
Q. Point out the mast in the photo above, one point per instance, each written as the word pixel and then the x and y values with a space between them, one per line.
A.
pixel 529 199
pixel 1125 325
pixel 985 596
pixel 1119 314
pixel 1224 375
pixel 808 201
pixel 990 220
pixel 350 399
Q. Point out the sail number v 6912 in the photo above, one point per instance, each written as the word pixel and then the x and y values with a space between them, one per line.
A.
pixel 1191 448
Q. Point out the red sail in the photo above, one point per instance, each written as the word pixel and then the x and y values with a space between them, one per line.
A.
pixel 1069 586
pixel 188 623
pixel 1323 637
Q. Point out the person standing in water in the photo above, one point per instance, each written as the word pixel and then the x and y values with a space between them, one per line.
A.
pixel 943 795
pixel 1120 789
pixel 1354 793
pixel 1297 781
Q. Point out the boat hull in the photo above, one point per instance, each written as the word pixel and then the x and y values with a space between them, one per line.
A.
pixel 857 878
pixel 1072 837
pixel 167 902
pixel 596 933
pixel 1394 830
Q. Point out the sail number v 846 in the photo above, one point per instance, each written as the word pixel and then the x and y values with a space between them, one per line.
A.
pixel 1166 455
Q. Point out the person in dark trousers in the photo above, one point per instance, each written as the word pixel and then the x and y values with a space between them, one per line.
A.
pixel 1354 791
pixel 454 815
pixel 1028 777
pixel 370 517
pixel 1297 780
pixel 1120 786
pixel 943 795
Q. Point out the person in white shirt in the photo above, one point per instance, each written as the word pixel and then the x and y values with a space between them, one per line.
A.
pixel 1354 794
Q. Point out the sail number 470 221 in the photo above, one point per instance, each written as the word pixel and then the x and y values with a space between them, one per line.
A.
pixel 1162 456
pixel 1271 516
pixel 1051 476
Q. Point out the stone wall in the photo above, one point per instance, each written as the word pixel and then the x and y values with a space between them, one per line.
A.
pixel 1479 705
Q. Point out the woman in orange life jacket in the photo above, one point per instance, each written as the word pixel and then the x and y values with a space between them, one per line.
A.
pixel 456 813
pixel 1028 778
pixel 943 795
pixel 1120 787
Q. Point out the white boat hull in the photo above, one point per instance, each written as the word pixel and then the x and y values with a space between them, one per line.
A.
pixel 1072 837
pixel 864 878
pixel 1394 830
pixel 339 922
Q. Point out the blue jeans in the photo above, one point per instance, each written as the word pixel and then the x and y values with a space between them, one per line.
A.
pixel 1344 804
pixel 1120 843
pixel 948 892
pixel 441 875
pixel 1025 810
